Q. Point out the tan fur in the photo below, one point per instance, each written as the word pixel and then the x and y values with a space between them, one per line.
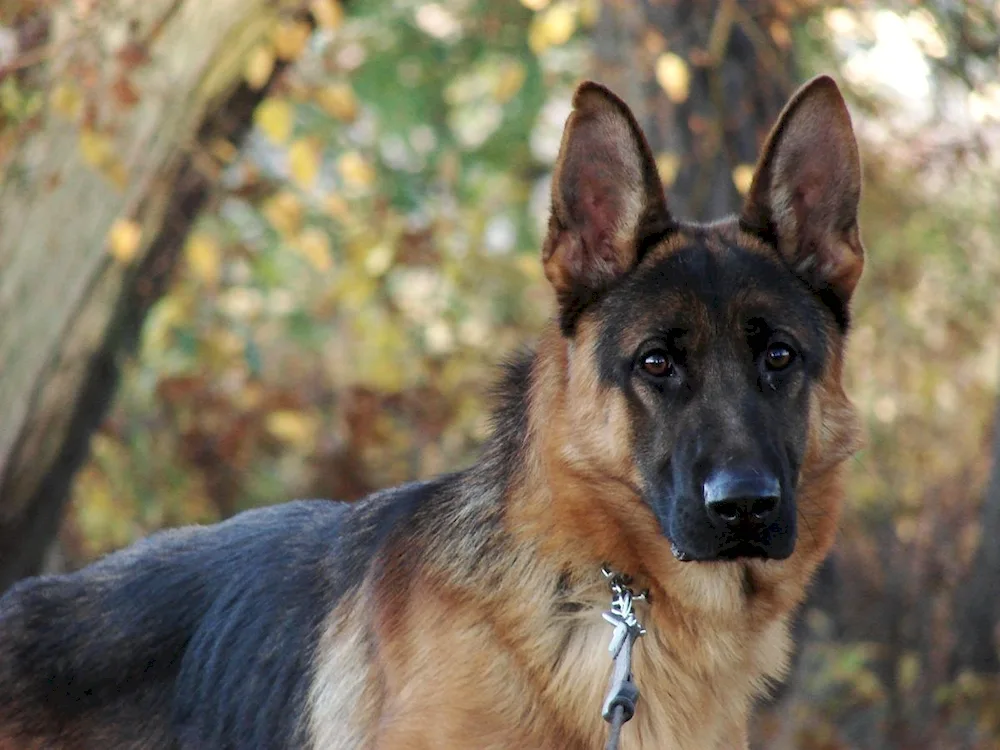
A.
pixel 345 686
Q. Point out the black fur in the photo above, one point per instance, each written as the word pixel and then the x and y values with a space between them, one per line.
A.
pixel 196 637
pixel 837 306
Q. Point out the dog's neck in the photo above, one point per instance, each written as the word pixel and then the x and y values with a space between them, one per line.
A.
pixel 584 514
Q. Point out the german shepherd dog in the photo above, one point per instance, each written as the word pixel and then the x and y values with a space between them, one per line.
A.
pixel 681 419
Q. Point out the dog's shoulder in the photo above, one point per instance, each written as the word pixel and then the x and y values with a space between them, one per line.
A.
pixel 247 670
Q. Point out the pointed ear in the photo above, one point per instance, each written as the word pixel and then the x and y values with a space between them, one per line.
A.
pixel 805 193
pixel 606 199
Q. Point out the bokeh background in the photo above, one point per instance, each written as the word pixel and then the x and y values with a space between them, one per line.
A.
pixel 255 250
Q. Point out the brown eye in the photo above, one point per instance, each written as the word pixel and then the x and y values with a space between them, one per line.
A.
pixel 657 363
pixel 778 356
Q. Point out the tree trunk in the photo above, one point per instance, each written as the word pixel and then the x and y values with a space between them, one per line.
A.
pixel 69 308
pixel 977 636
pixel 706 81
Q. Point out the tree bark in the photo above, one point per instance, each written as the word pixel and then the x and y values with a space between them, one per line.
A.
pixel 977 634
pixel 738 79
pixel 69 310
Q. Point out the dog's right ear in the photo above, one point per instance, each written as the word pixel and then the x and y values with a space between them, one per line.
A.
pixel 606 199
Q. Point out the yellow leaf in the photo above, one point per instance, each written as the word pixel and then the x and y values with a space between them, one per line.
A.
pixel 379 259
pixel 314 246
pixel 95 148
pixel 284 211
pixel 66 100
pixel 552 27
pixel 667 164
pixel 115 171
pixel 223 344
pixel 509 82
pixel 535 5
pixel 168 314
pixel 590 12
pixel 674 77
pixel 743 177
pixel 328 13
pixel 355 170
pixel 529 266
pixel 303 162
pixel 290 39
pixel 338 101
pixel 123 240
pixel 98 150
pixel 259 66
pixel 353 290
pixel 293 427
pixel 275 118
pixel 204 257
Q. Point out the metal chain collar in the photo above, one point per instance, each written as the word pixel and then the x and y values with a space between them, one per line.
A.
pixel 619 705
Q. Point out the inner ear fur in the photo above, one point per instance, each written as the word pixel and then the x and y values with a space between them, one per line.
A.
pixel 806 189
pixel 606 199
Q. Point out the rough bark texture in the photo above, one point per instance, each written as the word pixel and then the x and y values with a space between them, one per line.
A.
pixel 68 309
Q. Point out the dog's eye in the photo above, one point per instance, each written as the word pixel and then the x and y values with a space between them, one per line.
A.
pixel 658 364
pixel 778 356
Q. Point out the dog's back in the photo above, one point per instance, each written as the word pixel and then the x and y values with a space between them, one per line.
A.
pixel 198 637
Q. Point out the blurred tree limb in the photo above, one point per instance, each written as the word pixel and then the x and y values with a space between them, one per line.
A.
pixel 95 205
pixel 977 630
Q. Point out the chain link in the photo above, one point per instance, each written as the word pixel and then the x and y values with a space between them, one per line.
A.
pixel 619 705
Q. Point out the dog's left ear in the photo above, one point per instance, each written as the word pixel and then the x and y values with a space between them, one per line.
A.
pixel 805 193
pixel 606 199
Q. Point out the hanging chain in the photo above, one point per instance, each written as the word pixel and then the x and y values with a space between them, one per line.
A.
pixel 619 705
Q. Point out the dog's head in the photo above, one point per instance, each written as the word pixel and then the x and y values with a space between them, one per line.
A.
pixel 703 361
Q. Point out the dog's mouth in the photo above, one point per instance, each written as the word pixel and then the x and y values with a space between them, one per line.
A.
pixel 743 550
pixel 737 551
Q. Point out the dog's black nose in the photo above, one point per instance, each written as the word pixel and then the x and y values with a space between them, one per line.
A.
pixel 742 498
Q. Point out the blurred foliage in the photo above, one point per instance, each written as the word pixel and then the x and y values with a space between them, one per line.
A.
pixel 372 254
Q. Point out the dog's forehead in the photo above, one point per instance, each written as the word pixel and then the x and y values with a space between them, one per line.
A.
pixel 703 280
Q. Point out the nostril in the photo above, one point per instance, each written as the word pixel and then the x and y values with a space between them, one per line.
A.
pixel 763 507
pixel 728 511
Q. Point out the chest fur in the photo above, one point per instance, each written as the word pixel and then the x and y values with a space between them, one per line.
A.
pixel 695 693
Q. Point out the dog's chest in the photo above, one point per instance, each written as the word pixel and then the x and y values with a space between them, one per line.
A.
pixel 694 696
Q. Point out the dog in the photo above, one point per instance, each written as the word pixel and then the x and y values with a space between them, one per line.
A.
pixel 681 419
